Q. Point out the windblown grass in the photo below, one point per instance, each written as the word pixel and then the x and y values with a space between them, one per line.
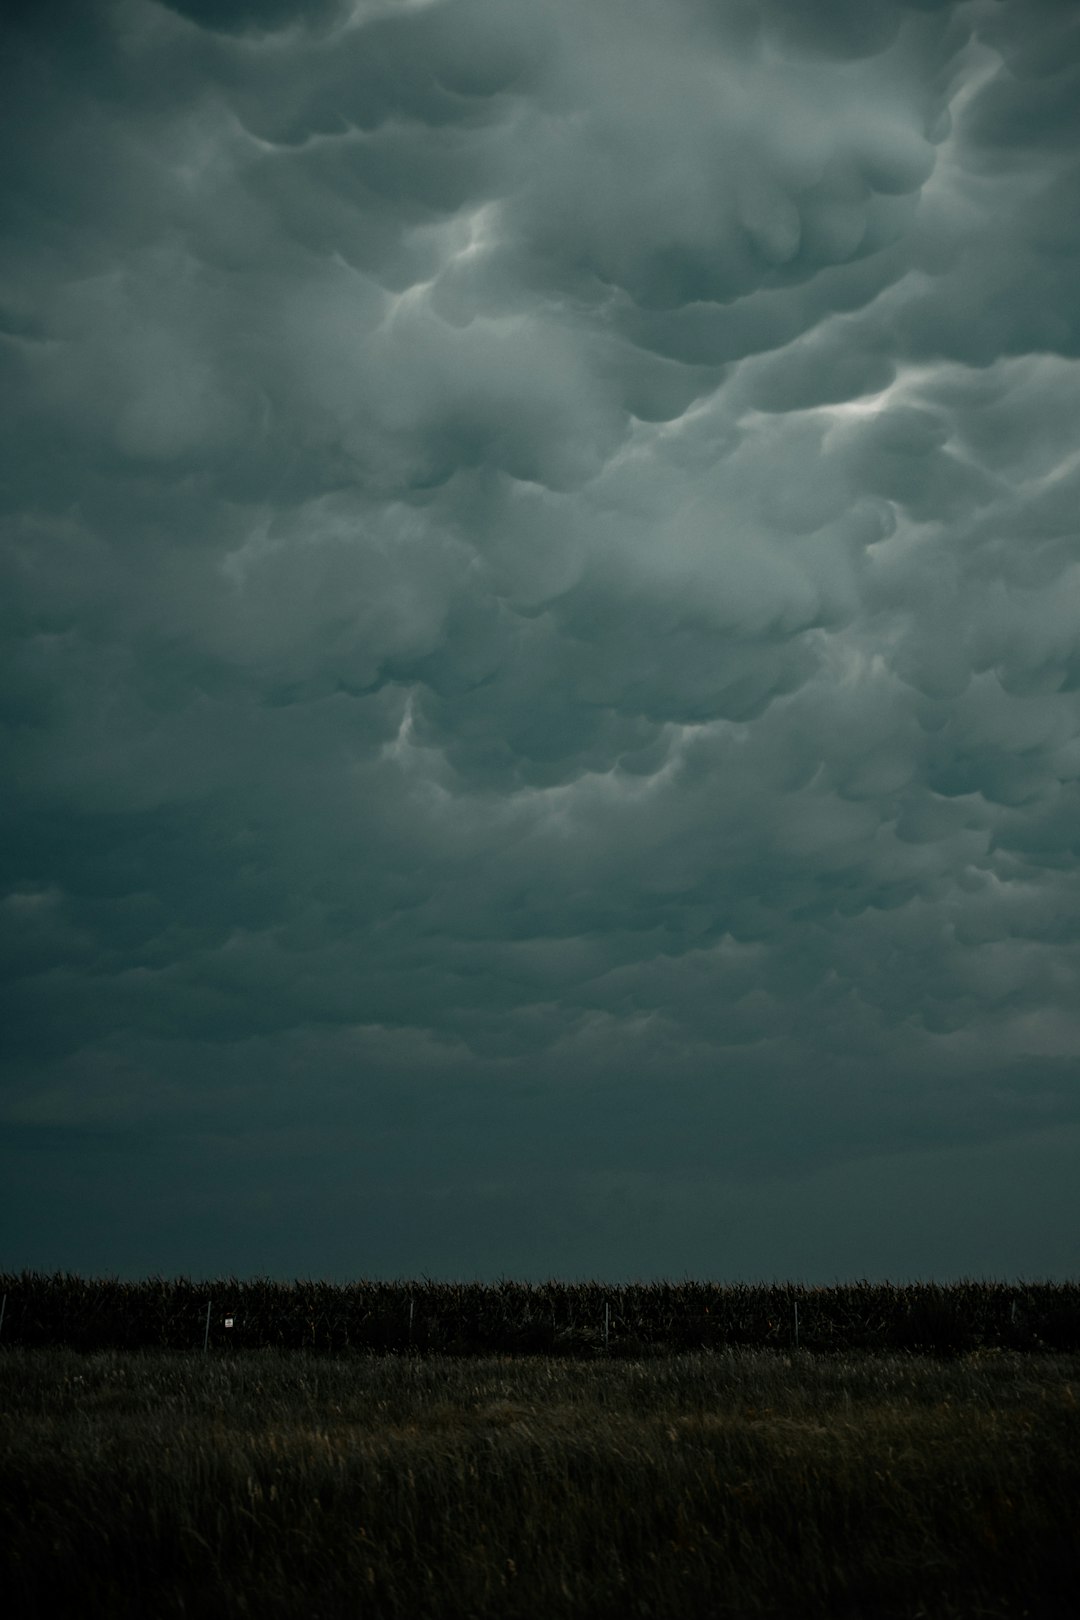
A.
pixel 741 1483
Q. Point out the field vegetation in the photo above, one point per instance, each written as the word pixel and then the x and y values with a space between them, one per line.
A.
pixel 734 1482
pixel 553 1318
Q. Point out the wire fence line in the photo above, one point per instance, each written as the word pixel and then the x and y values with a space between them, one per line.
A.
pixel 41 1310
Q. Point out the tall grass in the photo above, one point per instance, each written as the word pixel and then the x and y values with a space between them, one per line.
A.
pixel 741 1483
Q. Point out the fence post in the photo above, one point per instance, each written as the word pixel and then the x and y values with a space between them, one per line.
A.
pixel 206 1331
pixel 607 1319
pixel 412 1307
pixel 796 1324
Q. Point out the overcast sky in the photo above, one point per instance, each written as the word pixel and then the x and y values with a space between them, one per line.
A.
pixel 541 608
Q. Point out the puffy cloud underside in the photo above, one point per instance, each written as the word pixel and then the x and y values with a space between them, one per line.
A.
pixel 542 574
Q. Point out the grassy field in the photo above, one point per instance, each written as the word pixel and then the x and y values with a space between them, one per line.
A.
pixel 745 1483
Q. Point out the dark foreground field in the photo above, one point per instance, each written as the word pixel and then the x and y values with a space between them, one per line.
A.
pixel 728 1484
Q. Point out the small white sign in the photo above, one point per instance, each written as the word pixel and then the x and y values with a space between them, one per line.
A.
pixel 228 1321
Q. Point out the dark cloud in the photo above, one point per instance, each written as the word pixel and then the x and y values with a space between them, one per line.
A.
pixel 257 16
pixel 541 663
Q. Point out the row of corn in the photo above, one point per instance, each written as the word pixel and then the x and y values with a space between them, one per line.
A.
pixel 40 1310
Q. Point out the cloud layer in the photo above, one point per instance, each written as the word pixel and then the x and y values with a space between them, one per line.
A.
pixel 541 598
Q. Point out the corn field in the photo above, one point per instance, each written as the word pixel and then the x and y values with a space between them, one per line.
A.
pixel 552 1318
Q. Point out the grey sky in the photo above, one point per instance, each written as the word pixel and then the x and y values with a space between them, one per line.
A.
pixel 541 609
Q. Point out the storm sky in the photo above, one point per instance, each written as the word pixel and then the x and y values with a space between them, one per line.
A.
pixel 541 608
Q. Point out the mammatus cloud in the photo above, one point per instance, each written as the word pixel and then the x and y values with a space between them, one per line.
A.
pixel 541 591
